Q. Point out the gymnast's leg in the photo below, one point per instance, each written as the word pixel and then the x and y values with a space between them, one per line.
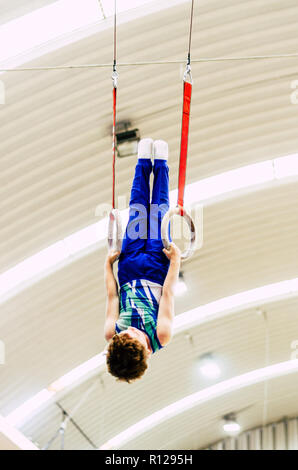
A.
pixel 136 231
pixel 159 206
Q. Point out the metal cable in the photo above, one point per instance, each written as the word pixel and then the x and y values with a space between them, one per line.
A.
pixel 115 36
pixel 190 32
pixel 166 62
pixel 102 10
pixel 267 363
pixel 68 417
pixel 115 83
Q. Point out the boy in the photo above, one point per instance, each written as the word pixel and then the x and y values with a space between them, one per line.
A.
pixel 147 272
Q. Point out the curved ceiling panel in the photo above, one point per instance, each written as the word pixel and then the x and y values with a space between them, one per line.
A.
pixel 55 168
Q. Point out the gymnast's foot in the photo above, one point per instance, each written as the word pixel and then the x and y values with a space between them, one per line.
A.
pixel 145 148
pixel 160 150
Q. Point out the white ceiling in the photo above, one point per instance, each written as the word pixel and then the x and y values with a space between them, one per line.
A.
pixel 55 168
pixel 10 10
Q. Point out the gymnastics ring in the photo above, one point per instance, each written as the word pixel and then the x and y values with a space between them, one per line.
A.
pixel 115 243
pixel 165 231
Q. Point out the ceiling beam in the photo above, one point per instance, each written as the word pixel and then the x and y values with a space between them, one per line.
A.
pixel 12 439
pixel 193 318
pixel 200 398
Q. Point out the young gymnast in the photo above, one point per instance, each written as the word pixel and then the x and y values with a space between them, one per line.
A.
pixel 139 319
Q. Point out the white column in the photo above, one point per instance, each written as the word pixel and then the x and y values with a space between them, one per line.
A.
pixel 293 434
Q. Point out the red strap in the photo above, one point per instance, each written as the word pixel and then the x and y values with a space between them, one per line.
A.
pixel 184 142
pixel 114 142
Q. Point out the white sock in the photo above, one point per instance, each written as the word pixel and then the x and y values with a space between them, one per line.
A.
pixel 160 150
pixel 145 148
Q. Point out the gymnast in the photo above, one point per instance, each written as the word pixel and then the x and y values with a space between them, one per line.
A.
pixel 139 318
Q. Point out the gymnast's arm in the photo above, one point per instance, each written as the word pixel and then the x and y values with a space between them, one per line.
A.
pixel 166 306
pixel 112 305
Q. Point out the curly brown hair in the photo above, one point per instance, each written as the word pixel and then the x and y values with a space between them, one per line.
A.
pixel 126 358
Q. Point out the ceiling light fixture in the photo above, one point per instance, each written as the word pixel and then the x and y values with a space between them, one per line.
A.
pixel 127 140
pixel 230 425
pixel 209 366
pixel 180 286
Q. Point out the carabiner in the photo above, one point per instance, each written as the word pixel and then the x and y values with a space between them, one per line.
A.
pixel 187 74
pixel 115 77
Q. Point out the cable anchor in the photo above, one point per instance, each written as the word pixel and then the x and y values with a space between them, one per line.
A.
pixel 115 77
pixel 187 77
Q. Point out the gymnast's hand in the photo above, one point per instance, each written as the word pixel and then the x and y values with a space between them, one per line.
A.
pixel 173 253
pixel 112 257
